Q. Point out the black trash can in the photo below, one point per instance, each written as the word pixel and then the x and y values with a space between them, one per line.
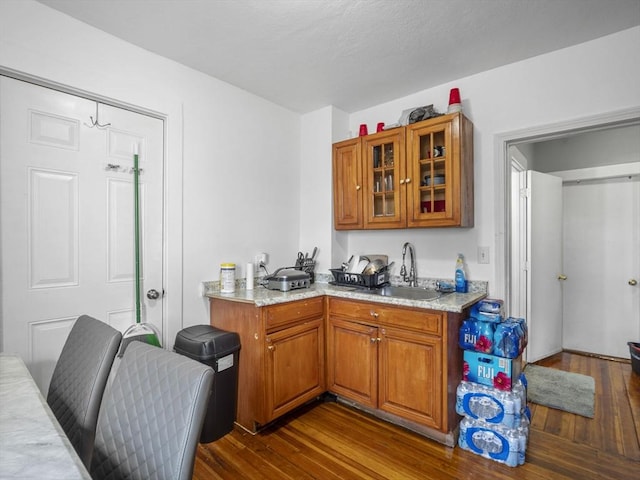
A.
pixel 220 350
pixel 634 350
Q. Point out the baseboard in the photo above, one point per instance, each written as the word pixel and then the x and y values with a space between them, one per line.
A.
pixel 597 355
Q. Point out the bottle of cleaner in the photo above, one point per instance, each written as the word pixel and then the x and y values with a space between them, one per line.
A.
pixel 460 277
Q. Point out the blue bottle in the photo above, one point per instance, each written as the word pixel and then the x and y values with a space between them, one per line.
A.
pixel 460 277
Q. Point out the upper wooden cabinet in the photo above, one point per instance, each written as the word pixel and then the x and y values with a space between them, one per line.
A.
pixel 415 176
pixel 347 185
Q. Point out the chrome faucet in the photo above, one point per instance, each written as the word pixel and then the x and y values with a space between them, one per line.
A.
pixel 412 278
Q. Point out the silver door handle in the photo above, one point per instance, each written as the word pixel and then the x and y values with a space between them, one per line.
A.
pixel 153 294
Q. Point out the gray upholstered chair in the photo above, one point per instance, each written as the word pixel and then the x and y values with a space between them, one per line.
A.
pixel 151 416
pixel 79 380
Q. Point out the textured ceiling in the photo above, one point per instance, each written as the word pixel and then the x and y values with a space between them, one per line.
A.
pixel 353 54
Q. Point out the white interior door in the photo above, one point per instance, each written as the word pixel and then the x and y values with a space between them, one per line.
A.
pixel 601 262
pixel 544 253
pixel 66 218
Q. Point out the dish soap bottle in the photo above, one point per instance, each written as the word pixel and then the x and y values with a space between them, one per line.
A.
pixel 460 277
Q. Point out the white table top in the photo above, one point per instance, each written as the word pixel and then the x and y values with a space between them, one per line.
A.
pixel 32 443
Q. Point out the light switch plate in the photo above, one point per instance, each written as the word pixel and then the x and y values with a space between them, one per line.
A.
pixel 483 254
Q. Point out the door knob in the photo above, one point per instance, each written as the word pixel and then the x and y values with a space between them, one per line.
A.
pixel 633 282
pixel 562 277
pixel 153 294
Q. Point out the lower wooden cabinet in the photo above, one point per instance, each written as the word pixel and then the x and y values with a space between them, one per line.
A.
pixel 400 363
pixel 294 366
pixel 352 366
pixel 395 361
pixel 282 355
pixel 410 380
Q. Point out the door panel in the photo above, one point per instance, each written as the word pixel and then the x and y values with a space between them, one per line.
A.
pixel 66 218
pixel 601 256
pixel 353 361
pixel 411 376
pixel 544 253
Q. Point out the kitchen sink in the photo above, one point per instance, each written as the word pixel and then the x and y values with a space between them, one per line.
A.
pixel 410 293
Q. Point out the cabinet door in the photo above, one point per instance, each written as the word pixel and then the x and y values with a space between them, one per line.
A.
pixel 411 376
pixel 383 156
pixel 294 367
pixel 440 172
pixel 347 185
pixel 352 355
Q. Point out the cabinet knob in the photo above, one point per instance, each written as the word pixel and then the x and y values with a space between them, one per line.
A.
pixel 633 282
pixel 401 181
pixel 373 314
pixel 407 180
pixel 562 277
pixel 373 339
pixel 358 187
pixel 271 348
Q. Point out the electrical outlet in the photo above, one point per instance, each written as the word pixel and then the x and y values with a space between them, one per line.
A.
pixel 260 258
pixel 483 254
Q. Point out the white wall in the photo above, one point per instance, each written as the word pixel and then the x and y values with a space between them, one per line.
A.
pixel 564 85
pixel 239 155
pixel 592 149
pixel 253 170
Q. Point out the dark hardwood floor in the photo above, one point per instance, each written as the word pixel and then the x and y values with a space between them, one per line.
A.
pixel 330 441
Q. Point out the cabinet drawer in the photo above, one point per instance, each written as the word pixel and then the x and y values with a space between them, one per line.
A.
pixel 290 312
pixel 374 313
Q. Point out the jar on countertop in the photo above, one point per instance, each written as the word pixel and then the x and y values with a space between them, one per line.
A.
pixel 227 277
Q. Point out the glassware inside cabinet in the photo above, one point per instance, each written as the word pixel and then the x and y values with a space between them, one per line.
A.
pixel 377 156
pixel 389 206
pixel 389 155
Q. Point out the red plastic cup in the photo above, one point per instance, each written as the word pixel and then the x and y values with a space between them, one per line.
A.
pixel 454 96
pixel 380 127
pixel 363 130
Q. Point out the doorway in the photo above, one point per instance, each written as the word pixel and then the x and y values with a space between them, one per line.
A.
pixel 507 247
pixel 67 217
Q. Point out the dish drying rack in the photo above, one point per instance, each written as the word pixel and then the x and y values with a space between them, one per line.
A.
pixel 348 279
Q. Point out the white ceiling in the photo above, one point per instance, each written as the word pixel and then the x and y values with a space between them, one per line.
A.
pixel 353 54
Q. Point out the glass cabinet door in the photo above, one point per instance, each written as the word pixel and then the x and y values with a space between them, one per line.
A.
pixel 384 168
pixel 431 167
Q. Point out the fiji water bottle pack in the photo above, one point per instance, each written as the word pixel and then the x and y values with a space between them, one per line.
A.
pixel 493 406
pixel 492 395
pixel 487 331
pixel 495 442
pixel 495 423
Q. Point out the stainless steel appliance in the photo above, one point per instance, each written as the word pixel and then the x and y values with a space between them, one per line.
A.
pixel 285 279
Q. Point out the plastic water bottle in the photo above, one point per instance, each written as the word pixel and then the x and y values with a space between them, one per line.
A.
pixel 460 276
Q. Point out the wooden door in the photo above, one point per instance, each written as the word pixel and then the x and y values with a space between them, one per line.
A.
pixel 67 218
pixel 352 353
pixel 294 367
pixel 411 376
pixel 347 185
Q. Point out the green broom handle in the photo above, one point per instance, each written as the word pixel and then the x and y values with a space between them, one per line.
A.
pixel 136 233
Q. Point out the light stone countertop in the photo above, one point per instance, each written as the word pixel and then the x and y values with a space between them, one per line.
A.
pixel 260 296
pixel 32 442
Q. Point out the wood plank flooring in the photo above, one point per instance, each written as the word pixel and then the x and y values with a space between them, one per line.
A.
pixel 329 441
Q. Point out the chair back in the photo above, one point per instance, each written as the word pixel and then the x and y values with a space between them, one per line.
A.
pixel 151 416
pixel 79 380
